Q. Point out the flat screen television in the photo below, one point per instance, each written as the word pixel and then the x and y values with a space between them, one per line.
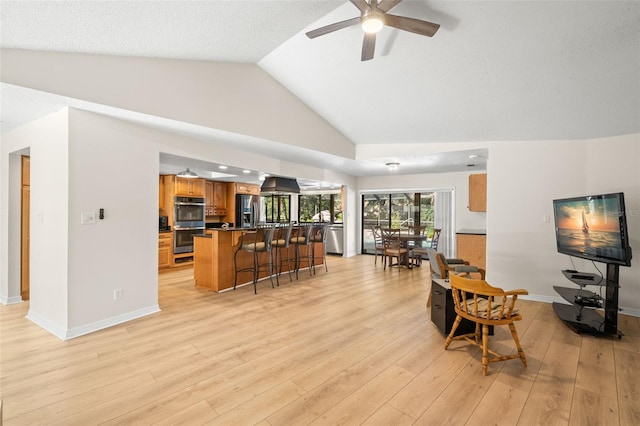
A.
pixel 593 227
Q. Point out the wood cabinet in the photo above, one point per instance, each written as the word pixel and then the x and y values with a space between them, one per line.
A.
pixel 189 187
pixel 246 188
pixel 219 199
pixel 478 192
pixel 472 248
pixel 161 193
pixel 215 198
pixel 165 249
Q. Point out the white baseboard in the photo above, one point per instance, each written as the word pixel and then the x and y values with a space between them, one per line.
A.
pixel 10 300
pixel 66 334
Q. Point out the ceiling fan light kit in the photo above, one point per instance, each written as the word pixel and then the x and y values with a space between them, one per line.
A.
pixel 372 22
pixel 373 16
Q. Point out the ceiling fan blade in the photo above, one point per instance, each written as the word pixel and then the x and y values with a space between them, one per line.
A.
pixel 333 27
pixel 413 25
pixel 387 5
pixel 361 4
pixel 368 46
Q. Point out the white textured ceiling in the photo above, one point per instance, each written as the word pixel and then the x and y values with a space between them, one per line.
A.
pixel 496 70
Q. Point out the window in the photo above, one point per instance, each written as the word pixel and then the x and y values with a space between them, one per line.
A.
pixel 277 208
pixel 320 208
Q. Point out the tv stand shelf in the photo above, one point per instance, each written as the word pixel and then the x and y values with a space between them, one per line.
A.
pixel 586 278
pixel 581 315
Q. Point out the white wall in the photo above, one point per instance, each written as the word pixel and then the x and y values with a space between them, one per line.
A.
pixel 524 178
pixel 238 98
pixel 112 165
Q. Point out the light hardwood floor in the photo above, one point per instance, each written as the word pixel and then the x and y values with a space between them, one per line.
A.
pixel 351 346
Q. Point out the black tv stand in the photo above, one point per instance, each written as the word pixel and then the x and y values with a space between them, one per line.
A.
pixel 582 315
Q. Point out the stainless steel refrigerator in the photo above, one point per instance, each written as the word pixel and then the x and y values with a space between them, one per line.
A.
pixel 247 211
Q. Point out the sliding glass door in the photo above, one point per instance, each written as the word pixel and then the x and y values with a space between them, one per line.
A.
pixel 400 210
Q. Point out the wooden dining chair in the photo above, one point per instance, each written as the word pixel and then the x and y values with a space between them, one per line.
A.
pixel 393 247
pixel 420 253
pixel 477 301
pixel 417 248
pixel 377 240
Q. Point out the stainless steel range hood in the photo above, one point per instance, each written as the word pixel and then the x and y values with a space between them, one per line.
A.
pixel 277 184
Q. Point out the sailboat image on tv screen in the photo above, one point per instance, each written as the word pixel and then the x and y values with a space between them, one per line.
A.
pixel 585 224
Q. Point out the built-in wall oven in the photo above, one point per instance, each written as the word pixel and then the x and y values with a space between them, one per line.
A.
pixel 188 220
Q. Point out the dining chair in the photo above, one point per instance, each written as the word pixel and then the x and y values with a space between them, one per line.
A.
pixel 393 247
pixel 378 246
pixel 477 301
pixel 417 248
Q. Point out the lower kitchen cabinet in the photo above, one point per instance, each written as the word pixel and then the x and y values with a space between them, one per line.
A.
pixel 165 249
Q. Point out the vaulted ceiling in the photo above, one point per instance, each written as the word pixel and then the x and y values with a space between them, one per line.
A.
pixel 495 70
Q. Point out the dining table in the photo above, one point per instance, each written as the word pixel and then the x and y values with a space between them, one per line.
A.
pixel 405 238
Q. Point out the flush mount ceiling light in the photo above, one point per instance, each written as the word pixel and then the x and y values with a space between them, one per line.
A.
pixel 276 184
pixel 392 166
pixel 187 174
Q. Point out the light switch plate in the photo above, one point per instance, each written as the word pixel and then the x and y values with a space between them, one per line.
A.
pixel 88 218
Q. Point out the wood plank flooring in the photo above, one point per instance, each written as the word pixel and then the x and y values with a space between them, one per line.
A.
pixel 351 346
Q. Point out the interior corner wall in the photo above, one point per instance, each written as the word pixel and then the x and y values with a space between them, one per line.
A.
pixel 113 165
pixel 523 180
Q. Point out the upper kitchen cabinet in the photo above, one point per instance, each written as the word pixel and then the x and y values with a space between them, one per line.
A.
pixel 189 187
pixel 215 198
pixel 246 188
pixel 219 199
pixel 478 192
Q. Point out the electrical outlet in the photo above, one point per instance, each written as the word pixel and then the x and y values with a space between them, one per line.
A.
pixel 117 294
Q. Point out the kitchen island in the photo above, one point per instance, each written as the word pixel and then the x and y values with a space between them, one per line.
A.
pixel 213 259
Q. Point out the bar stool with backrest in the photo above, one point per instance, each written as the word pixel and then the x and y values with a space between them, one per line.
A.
pixel 281 242
pixel 319 236
pixel 301 237
pixel 255 242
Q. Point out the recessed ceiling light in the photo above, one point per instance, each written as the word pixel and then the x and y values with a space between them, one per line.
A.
pixel 392 166
pixel 246 171
pixel 222 167
pixel 473 156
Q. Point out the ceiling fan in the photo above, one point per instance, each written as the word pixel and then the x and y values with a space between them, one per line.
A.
pixel 373 16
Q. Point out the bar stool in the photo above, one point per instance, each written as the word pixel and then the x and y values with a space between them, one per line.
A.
pixel 302 238
pixel 255 242
pixel 280 242
pixel 319 235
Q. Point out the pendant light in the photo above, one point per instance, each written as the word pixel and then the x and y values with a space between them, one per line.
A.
pixel 187 174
